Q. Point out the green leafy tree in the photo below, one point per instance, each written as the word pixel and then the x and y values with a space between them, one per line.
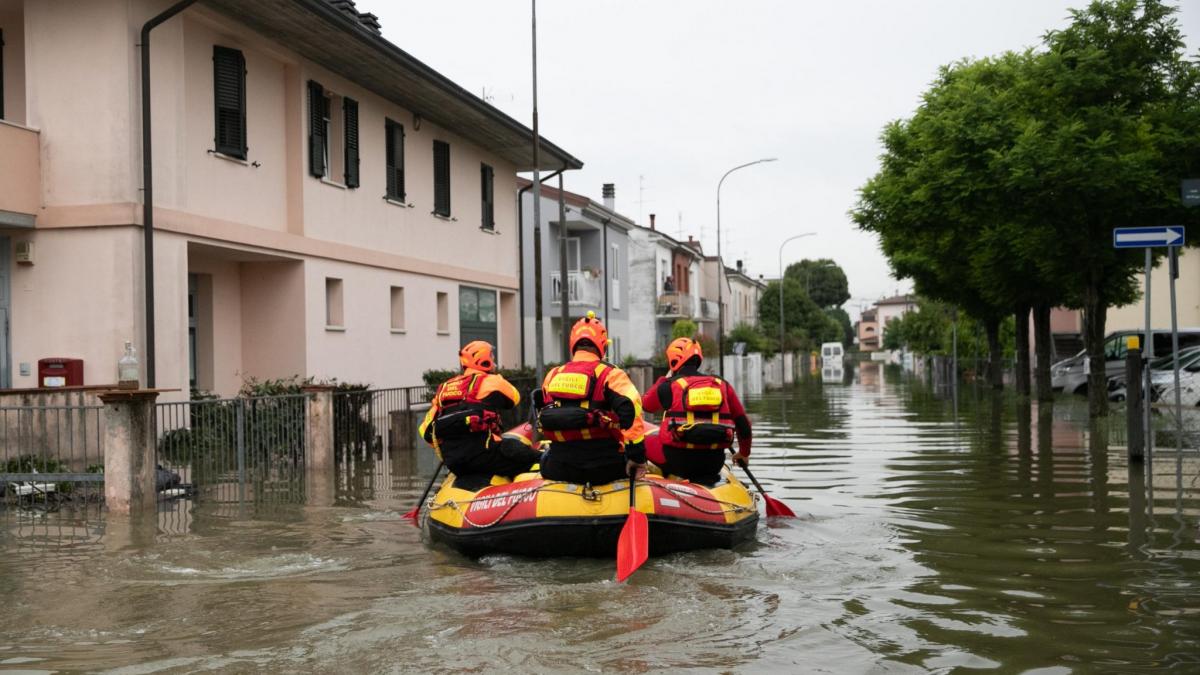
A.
pixel 823 280
pixel 683 328
pixel 806 324
pixel 843 319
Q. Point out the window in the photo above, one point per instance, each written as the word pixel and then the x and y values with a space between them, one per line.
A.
pixel 476 314
pixel 441 178
pixel 394 136
pixel 487 196
pixel 332 119
pixel 573 254
pixel 333 303
pixel 614 274
pixel 397 308
pixel 229 99
pixel 443 313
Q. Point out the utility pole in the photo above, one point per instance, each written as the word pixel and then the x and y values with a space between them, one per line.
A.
pixel 539 338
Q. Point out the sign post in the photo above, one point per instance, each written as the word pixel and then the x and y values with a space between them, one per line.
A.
pixel 1171 236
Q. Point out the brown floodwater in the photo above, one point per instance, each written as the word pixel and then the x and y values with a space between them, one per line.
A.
pixel 934 535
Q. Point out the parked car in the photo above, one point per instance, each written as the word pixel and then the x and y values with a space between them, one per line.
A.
pixel 1189 387
pixel 1069 374
pixel 1162 372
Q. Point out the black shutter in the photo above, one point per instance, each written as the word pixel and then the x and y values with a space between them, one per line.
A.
pixel 229 98
pixel 487 196
pixel 395 161
pixel 350 122
pixel 441 178
pixel 316 129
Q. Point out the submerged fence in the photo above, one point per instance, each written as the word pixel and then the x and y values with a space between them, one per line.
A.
pixel 234 449
pixel 50 454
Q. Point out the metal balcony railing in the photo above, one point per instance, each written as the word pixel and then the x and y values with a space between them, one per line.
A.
pixel 582 289
pixel 675 305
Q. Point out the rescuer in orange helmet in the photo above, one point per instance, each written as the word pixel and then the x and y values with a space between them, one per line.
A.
pixel 701 415
pixel 463 422
pixel 591 414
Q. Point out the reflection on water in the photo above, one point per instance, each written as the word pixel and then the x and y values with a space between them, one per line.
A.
pixel 935 534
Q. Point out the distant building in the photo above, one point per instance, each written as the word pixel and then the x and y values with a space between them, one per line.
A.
pixel 890 309
pixel 741 305
pixel 664 287
pixel 870 338
pixel 597 239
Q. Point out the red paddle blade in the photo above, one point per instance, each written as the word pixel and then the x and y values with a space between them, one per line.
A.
pixel 416 512
pixel 633 547
pixel 777 508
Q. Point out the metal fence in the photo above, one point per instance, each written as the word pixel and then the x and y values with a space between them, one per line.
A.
pixel 238 449
pixel 50 455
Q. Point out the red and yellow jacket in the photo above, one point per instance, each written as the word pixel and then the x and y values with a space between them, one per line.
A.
pixel 604 392
pixel 464 409
pixel 668 396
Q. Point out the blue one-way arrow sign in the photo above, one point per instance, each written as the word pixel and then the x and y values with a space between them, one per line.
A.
pixel 1143 237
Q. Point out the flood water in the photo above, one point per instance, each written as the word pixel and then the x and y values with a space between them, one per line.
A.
pixel 934 536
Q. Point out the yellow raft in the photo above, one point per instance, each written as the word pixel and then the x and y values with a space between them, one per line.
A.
pixel 532 516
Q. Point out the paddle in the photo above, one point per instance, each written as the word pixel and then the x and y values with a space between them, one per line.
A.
pixel 633 546
pixel 416 510
pixel 774 506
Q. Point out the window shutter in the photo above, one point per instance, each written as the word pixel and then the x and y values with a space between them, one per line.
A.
pixel 441 178
pixel 350 122
pixel 229 98
pixel 395 161
pixel 487 196
pixel 316 129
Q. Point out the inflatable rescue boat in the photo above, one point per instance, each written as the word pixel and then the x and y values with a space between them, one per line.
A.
pixel 532 516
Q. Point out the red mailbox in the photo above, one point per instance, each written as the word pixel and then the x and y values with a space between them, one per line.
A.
pixel 60 372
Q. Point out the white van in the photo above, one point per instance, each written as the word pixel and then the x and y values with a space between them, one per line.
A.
pixel 832 353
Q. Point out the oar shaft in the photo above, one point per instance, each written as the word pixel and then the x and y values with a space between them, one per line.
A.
pixel 432 479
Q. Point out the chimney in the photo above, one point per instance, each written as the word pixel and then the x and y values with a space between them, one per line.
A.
pixel 610 196
pixel 739 266
pixel 652 221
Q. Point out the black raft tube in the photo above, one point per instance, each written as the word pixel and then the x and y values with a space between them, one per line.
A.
pixel 148 184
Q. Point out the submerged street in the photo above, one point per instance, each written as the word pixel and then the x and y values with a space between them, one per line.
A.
pixel 932 536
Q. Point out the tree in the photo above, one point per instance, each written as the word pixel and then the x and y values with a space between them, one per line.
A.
pixel 807 324
pixel 1113 125
pixel 683 328
pixel 823 280
pixel 843 319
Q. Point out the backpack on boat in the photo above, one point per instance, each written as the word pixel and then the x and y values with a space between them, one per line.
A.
pixel 699 417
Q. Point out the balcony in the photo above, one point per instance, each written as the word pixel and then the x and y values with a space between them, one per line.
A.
pixel 20 174
pixel 709 310
pixel 583 289
pixel 675 306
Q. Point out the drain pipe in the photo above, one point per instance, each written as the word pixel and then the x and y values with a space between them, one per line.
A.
pixel 521 256
pixel 148 184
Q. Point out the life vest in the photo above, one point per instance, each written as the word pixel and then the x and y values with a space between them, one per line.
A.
pixel 575 408
pixel 460 410
pixel 699 416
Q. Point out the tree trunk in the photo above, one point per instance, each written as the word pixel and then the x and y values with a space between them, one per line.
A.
pixel 1023 370
pixel 1043 345
pixel 1094 310
pixel 995 354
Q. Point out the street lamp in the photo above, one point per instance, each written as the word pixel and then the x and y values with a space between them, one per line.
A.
pixel 785 241
pixel 721 268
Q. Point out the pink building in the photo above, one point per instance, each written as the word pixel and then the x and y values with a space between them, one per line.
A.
pixel 324 204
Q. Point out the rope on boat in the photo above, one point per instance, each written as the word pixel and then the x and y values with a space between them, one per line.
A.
pixel 685 497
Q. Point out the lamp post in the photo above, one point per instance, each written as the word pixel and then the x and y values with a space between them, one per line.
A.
pixel 781 322
pixel 721 268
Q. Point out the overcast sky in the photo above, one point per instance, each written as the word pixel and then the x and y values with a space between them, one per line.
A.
pixel 668 95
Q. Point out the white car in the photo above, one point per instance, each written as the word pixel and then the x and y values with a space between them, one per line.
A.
pixel 1189 389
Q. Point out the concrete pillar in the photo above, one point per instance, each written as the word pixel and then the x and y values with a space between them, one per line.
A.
pixel 318 432
pixel 129 450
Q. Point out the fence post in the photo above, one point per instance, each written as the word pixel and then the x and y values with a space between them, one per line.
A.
pixel 318 427
pixel 129 450
pixel 1135 436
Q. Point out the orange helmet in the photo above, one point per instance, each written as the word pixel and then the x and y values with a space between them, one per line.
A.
pixel 477 355
pixel 680 350
pixel 589 328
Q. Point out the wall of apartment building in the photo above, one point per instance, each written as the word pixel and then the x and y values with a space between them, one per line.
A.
pixel 1187 297
pixel 268 209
